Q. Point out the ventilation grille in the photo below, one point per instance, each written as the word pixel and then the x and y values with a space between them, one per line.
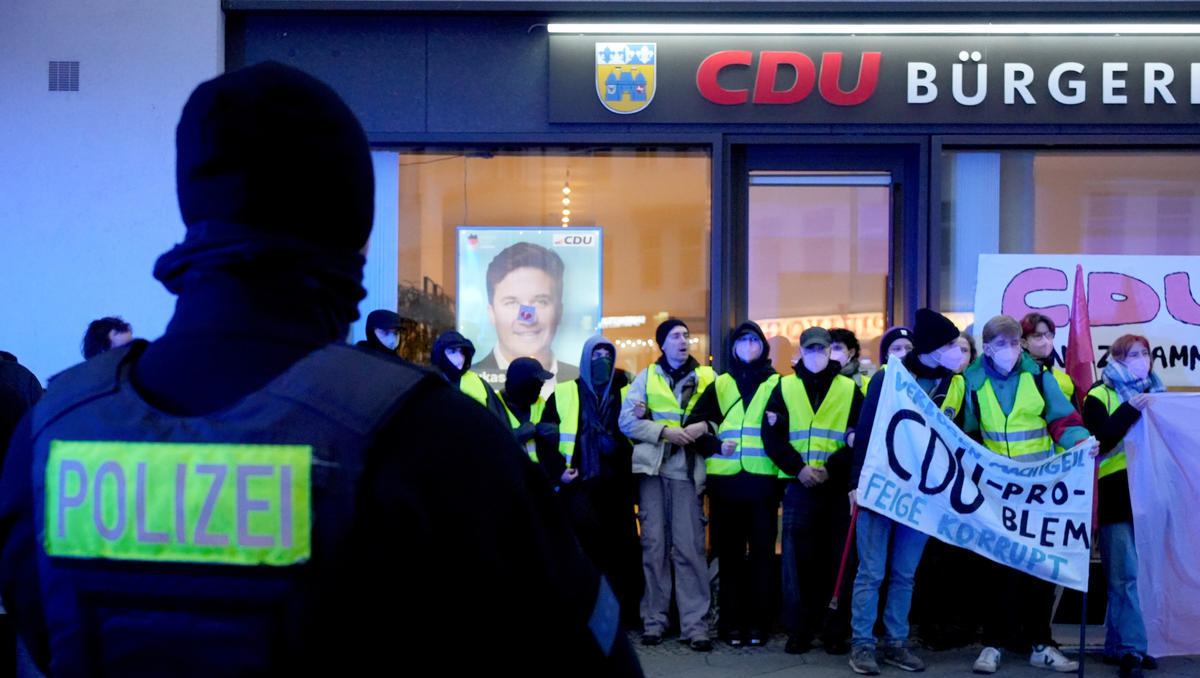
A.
pixel 64 76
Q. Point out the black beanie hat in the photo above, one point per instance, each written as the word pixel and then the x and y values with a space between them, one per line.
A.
pixel 931 331
pixel 272 148
pixel 664 328
pixel 890 336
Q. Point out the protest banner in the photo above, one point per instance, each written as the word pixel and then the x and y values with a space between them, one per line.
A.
pixel 1164 474
pixel 922 471
pixel 1148 295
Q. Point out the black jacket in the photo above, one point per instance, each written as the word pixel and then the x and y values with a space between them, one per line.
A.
pixel 1110 429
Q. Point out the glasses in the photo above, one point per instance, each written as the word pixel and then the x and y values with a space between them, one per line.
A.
pixel 1041 335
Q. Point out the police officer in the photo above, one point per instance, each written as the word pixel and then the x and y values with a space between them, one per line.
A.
pixel 247 495
pixel 810 424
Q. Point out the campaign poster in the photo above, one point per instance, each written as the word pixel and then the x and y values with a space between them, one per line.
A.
pixel 1152 296
pixel 528 291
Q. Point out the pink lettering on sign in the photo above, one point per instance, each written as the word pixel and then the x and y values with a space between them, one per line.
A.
pixel 1119 299
pixel 1032 280
pixel 1181 304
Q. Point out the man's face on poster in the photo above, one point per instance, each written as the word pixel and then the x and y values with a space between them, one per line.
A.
pixel 521 333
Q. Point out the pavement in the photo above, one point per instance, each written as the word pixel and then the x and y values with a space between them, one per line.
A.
pixel 673 658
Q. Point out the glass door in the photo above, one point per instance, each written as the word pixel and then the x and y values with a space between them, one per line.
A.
pixel 818 248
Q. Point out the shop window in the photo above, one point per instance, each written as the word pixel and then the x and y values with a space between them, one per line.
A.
pixel 818 251
pixel 632 251
pixel 1057 202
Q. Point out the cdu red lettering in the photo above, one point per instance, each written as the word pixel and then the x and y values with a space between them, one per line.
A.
pixel 768 73
pixel 1181 304
pixel 831 71
pixel 1119 299
pixel 1032 280
pixel 710 68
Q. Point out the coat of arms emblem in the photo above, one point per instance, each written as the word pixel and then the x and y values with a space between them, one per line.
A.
pixel 625 75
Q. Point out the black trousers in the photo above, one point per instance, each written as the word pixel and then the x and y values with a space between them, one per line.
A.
pixel 743 537
pixel 815 523
pixel 1017 608
pixel 601 513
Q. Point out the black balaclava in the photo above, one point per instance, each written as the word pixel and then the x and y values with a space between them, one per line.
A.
pixel 523 382
pixel 749 375
pixel 277 190
pixel 447 340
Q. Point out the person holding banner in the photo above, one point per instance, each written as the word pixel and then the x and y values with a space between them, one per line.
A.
pixel 1037 338
pixel 809 424
pixel 887 549
pixel 1017 412
pixel 670 479
pixel 1112 406
pixel 743 503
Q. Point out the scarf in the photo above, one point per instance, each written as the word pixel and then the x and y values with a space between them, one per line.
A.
pixel 1118 377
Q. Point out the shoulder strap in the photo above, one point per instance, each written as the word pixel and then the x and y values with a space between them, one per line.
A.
pixel 86 381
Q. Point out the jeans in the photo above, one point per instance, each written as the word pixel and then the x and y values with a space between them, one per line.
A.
pixel 877 536
pixel 1124 631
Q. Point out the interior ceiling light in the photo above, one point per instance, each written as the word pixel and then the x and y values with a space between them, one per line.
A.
pixel 881 29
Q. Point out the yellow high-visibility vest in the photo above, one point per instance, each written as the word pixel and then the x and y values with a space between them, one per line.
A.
pixel 1023 433
pixel 743 424
pixel 817 435
pixel 535 416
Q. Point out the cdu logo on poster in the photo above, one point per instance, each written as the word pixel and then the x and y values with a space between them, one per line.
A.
pixel 625 75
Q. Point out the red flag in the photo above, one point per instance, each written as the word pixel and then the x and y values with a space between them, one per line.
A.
pixel 1080 359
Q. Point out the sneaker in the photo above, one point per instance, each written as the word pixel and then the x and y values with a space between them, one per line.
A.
pixel 1048 657
pixel 862 660
pixel 701 645
pixel 651 639
pixel 902 657
pixel 1130 666
pixel 988 662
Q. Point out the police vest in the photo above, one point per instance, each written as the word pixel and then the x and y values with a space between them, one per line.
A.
pixel 535 416
pixel 816 436
pixel 165 534
pixel 1023 433
pixel 660 399
pixel 1113 460
pixel 472 385
pixel 744 425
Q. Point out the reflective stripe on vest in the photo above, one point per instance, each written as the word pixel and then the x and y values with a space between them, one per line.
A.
pixel 1023 432
pixel 745 426
pixel 472 385
pixel 566 402
pixel 817 436
pixel 535 416
pixel 1113 460
pixel 661 401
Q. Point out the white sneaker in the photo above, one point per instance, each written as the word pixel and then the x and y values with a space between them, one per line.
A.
pixel 988 662
pixel 1048 657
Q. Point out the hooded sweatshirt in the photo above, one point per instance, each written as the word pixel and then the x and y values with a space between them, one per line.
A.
pixel 600 449
pixel 448 340
pixel 748 377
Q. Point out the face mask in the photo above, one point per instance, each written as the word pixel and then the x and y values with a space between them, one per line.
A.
pixel 601 370
pixel 1139 367
pixel 951 358
pixel 839 356
pixel 389 339
pixel 747 350
pixel 815 362
pixel 456 357
pixel 1006 358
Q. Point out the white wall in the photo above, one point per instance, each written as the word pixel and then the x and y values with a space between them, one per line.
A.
pixel 87 178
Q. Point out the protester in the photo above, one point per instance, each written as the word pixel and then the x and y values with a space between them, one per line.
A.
pixel 670 478
pixel 967 344
pixel 844 350
pixel 896 341
pixel 1112 406
pixel 741 479
pixel 451 356
pixel 105 334
pixel 887 549
pixel 1037 338
pixel 810 424
pixel 383 332
pixel 1019 413
pixel 524 406
pixel 593 467
pixel 366 486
